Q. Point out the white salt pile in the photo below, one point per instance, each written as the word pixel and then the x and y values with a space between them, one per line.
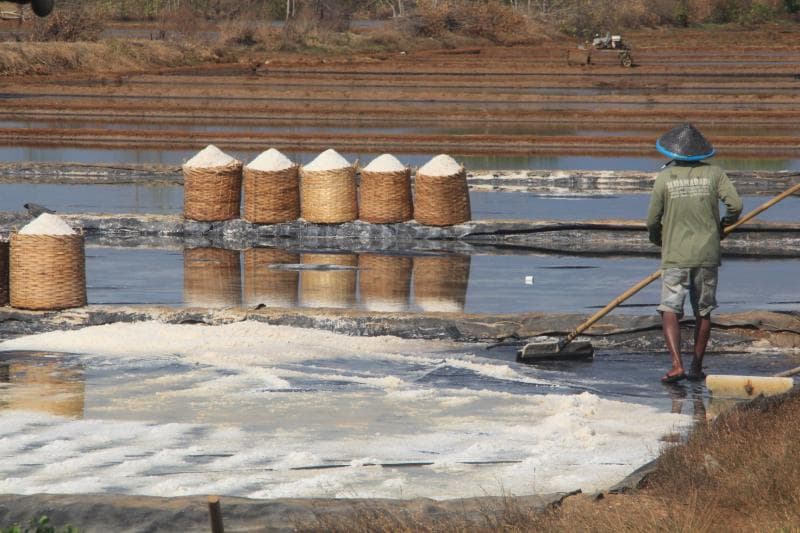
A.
pixel 271 160
pixel 47 224
pixel 385 163
pixel 328 160
pixel 210 157
pixel 441 165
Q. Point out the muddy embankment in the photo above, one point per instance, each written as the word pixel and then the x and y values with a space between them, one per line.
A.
pixel 494 101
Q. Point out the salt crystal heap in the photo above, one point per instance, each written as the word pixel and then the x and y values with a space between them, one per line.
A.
pixel 271 160
pixel 441 165
pixel 210 157
pixel 385 163
pixel 327 160
pixel 47 224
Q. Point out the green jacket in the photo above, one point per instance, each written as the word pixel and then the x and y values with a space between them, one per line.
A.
pixel 684 213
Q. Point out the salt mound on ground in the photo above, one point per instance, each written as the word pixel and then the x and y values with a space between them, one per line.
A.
pixel 328 160
pixel 47 224
pixel 210 157
pixel 270 161
pixel 441 165
pixel 385 163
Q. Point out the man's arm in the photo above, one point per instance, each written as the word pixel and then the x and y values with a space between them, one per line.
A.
pixel 655 212
pixel 733 203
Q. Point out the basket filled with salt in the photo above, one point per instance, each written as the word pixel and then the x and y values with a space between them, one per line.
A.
pixel 328 189
pixel 266 285
pixel 3 273
pixel 332 283
pixel 47 266
pixel 385 191
pixel 211 277
pixel 441 197
pixel 384 282
pixel 212 186
pixel 271 189
pixel 440 282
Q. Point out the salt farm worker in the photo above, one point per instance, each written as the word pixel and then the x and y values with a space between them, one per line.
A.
pixel 683 219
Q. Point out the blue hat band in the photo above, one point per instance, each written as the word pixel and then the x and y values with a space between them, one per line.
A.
pixel 678 157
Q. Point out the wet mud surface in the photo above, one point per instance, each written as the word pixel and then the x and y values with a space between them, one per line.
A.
pixel 435 101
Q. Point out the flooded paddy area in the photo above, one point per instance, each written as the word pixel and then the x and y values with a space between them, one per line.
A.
pixel 379 361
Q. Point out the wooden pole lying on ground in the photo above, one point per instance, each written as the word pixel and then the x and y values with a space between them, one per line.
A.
pixel 731 386
pixel 215 514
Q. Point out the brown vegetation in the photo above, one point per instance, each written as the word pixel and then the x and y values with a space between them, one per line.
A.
pixel 737 473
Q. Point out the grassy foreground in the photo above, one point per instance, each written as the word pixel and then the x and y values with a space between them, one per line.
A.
pixel 739 472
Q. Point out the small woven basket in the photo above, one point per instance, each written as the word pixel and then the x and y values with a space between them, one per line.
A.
pixel 385 197
pixel 441 200
pixel 211 277
pixel 47 272
pixel 264 285
pixel 329 196
pixel 328 288
pixel 212 194
pixel 3 273
pixel 271 196
pixel 440 282
pixel 384 282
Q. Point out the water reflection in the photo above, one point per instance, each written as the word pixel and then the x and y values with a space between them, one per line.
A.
pixel 211 277
pixel 268 286
pixel 32 381
pixel 274 277
pixel 384 282
pixel 329 288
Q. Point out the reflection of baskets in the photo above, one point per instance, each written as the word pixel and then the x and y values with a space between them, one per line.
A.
pixel 271 196
pixel 440 282
pixel 211 194
pixel 384 282
pixel 329 196
pixel 328 288
pixel 385 197
pixel 441 200
pixel 3 273
pixel 45 386
pixel 211 277
pixel 47 271
pixel 264 285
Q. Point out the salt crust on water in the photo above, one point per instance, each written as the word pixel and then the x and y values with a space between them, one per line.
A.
pixel 47 224
pixel 385 163
pixel 270 161
pixel 328 160
pixel 214 407
pixel 441 165
pixel 210 157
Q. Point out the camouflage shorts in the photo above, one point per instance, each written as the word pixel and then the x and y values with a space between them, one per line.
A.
pixel 699 283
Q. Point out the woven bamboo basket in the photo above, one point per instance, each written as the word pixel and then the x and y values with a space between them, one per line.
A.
pixel 441 200
pixel 328 288
pixel 384 282
pixel 212 194
pixel 264 285
pixel 329 196
pixel 47 272
pixel 211 277
pixel 48 387
pixel 3 273
pixel 271 196
pixel 440 282
pixel 385 197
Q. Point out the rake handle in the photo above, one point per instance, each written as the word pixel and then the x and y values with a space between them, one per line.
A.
pixel 657 274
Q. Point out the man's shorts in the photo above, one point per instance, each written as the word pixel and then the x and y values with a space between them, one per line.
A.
pixel 699 283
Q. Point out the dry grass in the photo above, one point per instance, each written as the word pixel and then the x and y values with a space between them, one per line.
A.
pixel 25 58
pixel 738 473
